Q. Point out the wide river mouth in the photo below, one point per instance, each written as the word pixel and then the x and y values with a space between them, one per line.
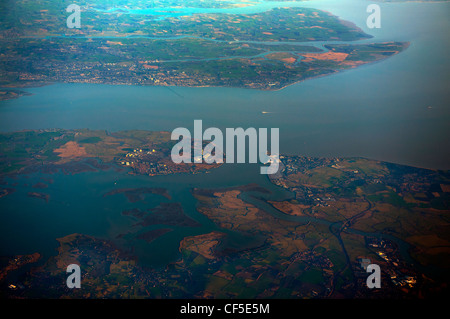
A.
pixel 395 110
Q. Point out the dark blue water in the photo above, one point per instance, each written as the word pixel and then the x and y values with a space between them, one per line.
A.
pixel 77 205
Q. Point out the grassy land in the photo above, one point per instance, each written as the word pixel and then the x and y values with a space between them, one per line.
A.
pixel 33 148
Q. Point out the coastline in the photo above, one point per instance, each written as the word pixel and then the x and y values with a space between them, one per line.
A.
pixel 267 88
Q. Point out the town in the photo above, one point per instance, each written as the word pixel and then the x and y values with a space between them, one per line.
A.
pixel 154 162
pixel 213 152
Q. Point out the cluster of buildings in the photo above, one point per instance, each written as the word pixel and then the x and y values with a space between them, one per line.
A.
pixel 399 273
pixel 156 162
pixel 136 155
pixel 146 162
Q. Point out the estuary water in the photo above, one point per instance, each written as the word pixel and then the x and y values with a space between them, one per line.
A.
pixel 395 110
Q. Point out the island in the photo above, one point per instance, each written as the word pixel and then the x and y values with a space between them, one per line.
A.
pixel 75 151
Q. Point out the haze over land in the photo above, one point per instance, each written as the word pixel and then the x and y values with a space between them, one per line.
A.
pixel 267 50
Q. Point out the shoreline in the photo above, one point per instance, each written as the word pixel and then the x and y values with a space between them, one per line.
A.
pixel 406 45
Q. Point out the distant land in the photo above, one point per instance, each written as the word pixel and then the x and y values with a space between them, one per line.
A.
pixel 9 94
pixel 266 51
pixel 407 0
pixel 377 0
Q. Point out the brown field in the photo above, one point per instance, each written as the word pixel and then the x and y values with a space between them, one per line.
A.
pixel 71 150
pixel 347 209
pixel 290 208
pixel 114 42
pixel 202 244
pixel 332 56
pixel 152 67
pixel 283 57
